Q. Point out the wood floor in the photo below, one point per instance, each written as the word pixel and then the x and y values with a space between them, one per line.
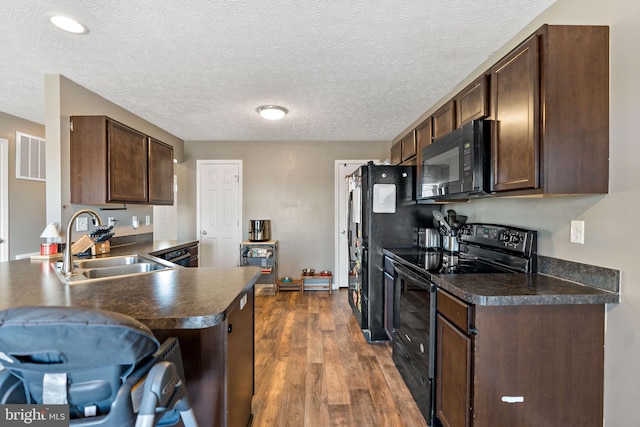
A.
pixel 313 367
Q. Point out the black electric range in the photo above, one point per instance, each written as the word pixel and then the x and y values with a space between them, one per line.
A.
pixel 482 248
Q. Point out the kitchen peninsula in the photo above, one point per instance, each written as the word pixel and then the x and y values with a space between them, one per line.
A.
pixel 209 310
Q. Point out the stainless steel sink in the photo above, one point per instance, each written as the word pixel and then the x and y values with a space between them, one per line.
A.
pixel 110 261
pixel 95 269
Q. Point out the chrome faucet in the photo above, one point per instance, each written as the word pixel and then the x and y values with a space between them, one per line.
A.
pixel 68 269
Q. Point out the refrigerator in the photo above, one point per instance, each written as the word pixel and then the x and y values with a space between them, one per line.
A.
pixel 382 214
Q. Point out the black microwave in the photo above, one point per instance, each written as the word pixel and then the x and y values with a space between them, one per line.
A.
pixel 456 166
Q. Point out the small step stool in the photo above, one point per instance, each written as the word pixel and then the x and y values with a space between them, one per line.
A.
pixel 317 281
pixel 293 285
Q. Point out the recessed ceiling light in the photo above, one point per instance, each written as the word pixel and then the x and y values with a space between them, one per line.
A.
pixel 272 112
pixel 68 24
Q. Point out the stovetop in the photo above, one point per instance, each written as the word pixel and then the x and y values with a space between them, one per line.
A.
pixel 483 248
pixel 435 261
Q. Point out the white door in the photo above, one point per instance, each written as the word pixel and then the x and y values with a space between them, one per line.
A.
pixel 342 169
pixel 165 218
pixel 4 199
pixel 219 204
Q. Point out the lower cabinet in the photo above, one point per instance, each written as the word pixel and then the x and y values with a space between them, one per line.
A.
pixel 219 365
pixel 527 365
pixel 453 374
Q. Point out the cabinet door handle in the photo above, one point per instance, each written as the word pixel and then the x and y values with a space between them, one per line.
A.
pixel 229 328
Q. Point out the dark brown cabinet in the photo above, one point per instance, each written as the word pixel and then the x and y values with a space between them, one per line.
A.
pixel 408 143
pixel 396 153
pixel 444 119
pixel 550 98
pixel 519 365
pixel 473 101
pixel 219 365
pixel 453 378
pixel 113 163
pixel 424 137
pixel 404 151
pixel 160 173
pixel 127 164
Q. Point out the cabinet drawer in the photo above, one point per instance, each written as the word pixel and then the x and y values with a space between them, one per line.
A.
pixel 456 311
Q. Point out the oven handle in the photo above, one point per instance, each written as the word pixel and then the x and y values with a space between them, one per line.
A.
pixel 415 277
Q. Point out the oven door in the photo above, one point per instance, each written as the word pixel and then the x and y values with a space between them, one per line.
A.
pixel 416 326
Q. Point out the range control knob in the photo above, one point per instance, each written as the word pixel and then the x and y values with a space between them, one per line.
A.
pixel 515 239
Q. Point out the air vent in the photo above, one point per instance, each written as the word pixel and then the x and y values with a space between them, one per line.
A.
pixel 30 157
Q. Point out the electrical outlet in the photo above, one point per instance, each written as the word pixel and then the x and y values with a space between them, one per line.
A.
pixel 82 223
pixel 577 232
pixel 111 221
pixel 147 220
pixel 134 222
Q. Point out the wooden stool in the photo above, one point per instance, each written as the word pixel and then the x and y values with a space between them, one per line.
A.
pixel 317 281
pixel 294 284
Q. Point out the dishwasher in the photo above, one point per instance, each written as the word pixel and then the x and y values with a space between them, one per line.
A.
pixel 186 256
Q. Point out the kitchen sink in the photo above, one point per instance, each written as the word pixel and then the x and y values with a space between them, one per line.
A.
pixel 110 261
pixel 95 269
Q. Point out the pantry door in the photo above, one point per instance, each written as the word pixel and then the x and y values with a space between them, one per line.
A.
pixel 219 204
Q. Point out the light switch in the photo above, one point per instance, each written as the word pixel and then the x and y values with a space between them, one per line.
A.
pixel 147 220
pixel 134 222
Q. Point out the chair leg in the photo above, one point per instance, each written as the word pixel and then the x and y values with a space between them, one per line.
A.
pixel 188 418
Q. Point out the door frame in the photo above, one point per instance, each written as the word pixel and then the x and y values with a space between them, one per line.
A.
pixel 199 164
pixel 339 186
pixel 4 199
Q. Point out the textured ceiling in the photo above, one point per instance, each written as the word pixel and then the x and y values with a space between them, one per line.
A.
pixel 346 70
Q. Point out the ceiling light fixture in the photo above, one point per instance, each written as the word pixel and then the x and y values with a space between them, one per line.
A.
pixel 272 112
pixel 68 24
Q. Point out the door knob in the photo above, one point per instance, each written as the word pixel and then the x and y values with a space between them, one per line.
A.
pixel 204 232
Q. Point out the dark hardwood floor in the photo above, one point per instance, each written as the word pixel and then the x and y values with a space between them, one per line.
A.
pixel 313 367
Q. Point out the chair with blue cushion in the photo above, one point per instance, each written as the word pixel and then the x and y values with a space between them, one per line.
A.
pixel 109 368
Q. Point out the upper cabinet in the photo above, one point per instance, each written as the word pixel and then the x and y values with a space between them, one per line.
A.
pixel 473 101
pixel 408 143
pixel 160 173
pixel 113 163
pixel 550 98
pixel 404 151
pixel 444 119
pixel 396 153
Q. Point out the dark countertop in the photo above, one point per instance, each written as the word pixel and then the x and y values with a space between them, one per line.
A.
pixel 515 288
pixel 182 298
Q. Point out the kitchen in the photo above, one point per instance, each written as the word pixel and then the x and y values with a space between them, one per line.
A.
pixel 610 219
